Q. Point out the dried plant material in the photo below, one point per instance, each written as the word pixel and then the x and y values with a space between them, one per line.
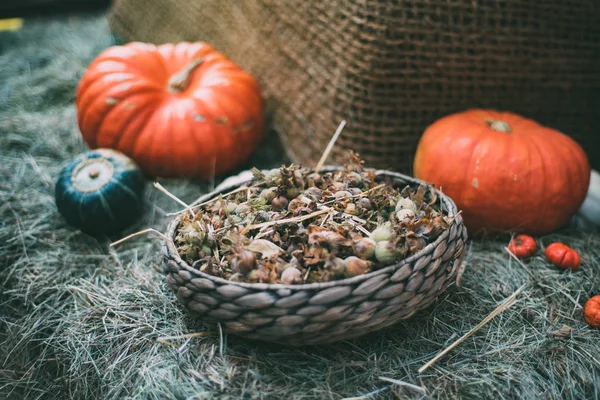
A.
pixel 508 302
pixel 562 333
pixel 315 227
pixel 82 321
pixel 266 248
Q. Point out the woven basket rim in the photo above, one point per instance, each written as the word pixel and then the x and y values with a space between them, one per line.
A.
pixel 170 251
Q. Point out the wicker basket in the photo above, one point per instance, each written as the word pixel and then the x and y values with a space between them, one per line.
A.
pixel 321 312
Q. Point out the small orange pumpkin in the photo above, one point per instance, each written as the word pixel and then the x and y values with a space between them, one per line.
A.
pixel 562 256
pixel 178 110
pixel 522 246
pixel 591 311
pixel 505 172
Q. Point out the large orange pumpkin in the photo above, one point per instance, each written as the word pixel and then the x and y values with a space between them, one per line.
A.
pixel 178 110
pixel 505 172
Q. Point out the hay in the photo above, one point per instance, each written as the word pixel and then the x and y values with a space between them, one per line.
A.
pixel 79 319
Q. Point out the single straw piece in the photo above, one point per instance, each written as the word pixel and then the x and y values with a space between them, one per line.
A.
pixel 172 196
pixel 285 220
pixel 143 232
pixel 330 146
pixel 503 306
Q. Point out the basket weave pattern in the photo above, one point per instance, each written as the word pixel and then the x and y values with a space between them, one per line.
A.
pixel 391 68
pixel 321 312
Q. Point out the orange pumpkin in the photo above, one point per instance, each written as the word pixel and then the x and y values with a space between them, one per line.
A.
pixel 591 311
pixel 505 172
pixel 178 110
pixel 562 256
pixel 522 246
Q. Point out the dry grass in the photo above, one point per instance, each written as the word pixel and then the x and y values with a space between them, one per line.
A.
pixel 81 320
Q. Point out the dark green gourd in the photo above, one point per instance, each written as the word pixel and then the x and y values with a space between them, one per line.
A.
pixel 100 191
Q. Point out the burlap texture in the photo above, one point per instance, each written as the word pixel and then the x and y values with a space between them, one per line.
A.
pixel 391 68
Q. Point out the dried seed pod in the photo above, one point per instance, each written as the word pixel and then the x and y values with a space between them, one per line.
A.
pixel 354 179
pixel 262 216
pixel 243 262
pixel 350 209
pixel 230 207
pixel 189 252
pixel 365 203
pixel 242 209
pixel 382 233
pixel 414 242
pixel 335 267
pixel 205 251
pixel 291 275
pixel 364 248
pixel 295 203
pixel 405 214
pixel 216 220
pixel 334 239
pixel 268 194
pixel 317 239
pixel 439 225
pixel 314 179
pixel 313 193
pixel 355 266
pixel 271 177
pixel 342 194
pixel 385 253
pixel 258 202
pixel 186 228
pixel 235 219
pixel 307 201
pixel 298 179
pixel 347 225
pixel 279 203
pixel 423 226
pixel 292 192
pixel 405 203
pixel 337 186
pixel 195 237
pixel 209 240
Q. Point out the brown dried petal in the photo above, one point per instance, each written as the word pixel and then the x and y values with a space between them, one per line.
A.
pixel 318 238
pixel 414 242
pixel 266 248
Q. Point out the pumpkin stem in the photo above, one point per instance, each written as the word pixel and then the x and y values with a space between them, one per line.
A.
pixel 94 174
pixel 500 126
pixel 178 82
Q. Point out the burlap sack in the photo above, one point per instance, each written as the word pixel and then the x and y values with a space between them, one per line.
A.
pixel 390 68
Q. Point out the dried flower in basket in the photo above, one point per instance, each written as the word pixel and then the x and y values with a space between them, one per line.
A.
pixel 295 226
